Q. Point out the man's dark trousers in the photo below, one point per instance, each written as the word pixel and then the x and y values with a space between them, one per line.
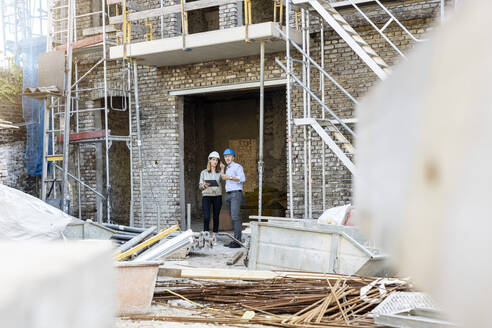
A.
pixel 233 201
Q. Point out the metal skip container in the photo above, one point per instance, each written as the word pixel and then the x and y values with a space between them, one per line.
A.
pixel 307 246
pixel 135 284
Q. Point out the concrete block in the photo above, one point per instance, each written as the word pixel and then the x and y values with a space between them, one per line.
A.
pixel 57 285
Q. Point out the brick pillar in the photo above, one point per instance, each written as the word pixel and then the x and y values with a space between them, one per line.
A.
pixel 172 23
pixel 231 15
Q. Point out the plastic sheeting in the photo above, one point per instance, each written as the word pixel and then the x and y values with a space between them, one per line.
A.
pixel 25 217
pixel 335 215
pixel 32 109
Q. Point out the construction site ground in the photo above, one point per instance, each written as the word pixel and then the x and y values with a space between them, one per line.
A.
pixel 215 257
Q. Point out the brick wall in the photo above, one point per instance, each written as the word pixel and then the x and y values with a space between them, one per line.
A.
pixel 230 15
pixel 162 114
pixel 13 141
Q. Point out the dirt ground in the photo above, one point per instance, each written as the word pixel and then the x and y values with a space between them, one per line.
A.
pixel 169 311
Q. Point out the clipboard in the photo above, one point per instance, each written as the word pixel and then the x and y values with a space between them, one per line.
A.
pixel 212 183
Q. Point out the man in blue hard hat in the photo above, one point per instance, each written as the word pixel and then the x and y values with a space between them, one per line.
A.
pixel 234 178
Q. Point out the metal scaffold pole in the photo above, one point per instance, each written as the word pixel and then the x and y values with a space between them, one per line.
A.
pixel 262 113
pixel 304 113
pixel 139 140
pixel 106 125
pixel 77 128
pixel 68 103
pixel 308 83
pixel 323 114
pixel 289 109
pixel 130 142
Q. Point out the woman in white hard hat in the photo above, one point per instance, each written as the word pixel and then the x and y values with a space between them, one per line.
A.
pixel 210 179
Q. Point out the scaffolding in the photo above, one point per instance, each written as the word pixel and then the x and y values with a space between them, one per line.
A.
pixel 337 133
pixel 23 25
pixel 63 133
pixel 21 21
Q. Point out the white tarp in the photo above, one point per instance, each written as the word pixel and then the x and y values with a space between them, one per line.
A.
pixel 335 215
pixel 24 217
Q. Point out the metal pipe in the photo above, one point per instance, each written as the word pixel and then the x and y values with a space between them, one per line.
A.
pixel 68 102
pixel 139 139
pixel 4 35
pixel 46 134
pixel 321 69
pixel 304 112
pixel 162 20
pixel 323 116
pixel 136 240
pixel 53 144
pixel 395 20
pixel 106 127
pixel 130 145
pixel 188 216
pixel 125 228
pixel 317 99
pixel 80 181
pixel 262 114
pixel 88 72
pixel 79 189
pixel 289 110
pixel 309 143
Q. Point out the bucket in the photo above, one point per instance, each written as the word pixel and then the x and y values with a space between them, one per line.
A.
pixel 135 283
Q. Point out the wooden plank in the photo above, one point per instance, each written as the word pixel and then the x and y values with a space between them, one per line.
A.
pixel 83 43
pixel 251 275
pixel 83 136
pixel 201 4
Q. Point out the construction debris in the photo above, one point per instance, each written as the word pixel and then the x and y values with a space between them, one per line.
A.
pixel 168 247
pixel 137 239
pixel 335 300
pixel 236 257
pixel 163 233
pixel 409 309
pixel 202 239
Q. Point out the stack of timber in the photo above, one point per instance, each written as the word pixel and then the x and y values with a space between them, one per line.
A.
pixel 328 301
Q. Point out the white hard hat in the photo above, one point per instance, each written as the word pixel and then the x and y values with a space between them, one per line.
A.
pixel 214 154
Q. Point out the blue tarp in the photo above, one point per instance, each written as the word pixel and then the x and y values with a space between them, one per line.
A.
pixel 32 109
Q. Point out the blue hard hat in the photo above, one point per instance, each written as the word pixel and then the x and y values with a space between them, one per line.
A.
pixel 229 151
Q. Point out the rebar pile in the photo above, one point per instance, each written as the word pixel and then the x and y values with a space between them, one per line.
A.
pixel 335 301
